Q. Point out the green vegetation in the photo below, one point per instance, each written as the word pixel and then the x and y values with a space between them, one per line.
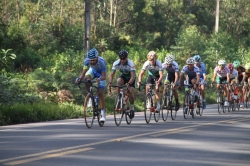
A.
pixel 42 52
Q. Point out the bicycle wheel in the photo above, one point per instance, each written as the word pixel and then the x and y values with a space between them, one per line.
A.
pixel 148 104
pixel 247 102
pixel 126 108
pixel 194 109
pixel 220 103
pixel 118 110
pixel 172 108
pixel 186 109
pixel 164 107
pixel 157 114
pixel 89 110
pixel 233 105
pixel 200 106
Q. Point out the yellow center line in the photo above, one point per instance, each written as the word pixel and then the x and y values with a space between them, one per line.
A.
pixel 81 148
pixel 48 156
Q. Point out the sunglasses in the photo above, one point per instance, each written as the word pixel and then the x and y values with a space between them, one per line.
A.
pixel 92 60
pixel 122 58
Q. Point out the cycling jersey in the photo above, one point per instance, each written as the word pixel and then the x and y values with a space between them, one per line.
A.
pixel 241 71
pixel 234 74
pixel 171 71
pixel 95 71
pixel 124 69
pixel 221 73
pixel 191 73
pixel 99 67
pixel 153 70
pixel 203 70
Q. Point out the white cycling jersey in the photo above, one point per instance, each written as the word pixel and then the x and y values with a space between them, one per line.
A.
pixel 234 74
pixel 221 73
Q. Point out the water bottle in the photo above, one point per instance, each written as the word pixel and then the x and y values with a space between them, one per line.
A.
pixel 96 100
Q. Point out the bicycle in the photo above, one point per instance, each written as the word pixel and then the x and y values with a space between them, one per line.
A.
pixel 221 98
pixel 190 101
pixel 121 105
pixel 91 110
pixel 168 105
pixel 149 104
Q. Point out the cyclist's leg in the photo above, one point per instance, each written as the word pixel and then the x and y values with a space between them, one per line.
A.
pixel 100 92
pixel 89 76
pixel 158 95
pixel 131 98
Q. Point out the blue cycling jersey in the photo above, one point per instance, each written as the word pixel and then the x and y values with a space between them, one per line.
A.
pixel 99 67
pixel 202 68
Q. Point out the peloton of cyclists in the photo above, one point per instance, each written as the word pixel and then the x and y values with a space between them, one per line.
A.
pixel 127 70
pixel 203 77
pixel 155 75
pixel 172 68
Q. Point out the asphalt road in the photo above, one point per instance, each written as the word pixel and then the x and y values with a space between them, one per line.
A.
pixel 212 139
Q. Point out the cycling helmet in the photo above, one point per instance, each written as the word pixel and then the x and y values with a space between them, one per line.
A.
pixel 169 59
pixel 93 53
pixel 247 66
pixel 190 61
pixel 230 66
pixel 123 54
pixel 197 58
pixel 236 63
pixel 222 62
pixel 152 55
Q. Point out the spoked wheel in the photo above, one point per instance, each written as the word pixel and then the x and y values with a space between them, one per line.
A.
pixel 220 104
pixel 118 110
pixel 199 106
pixel 164 107
pixel 126 108
pixel 186 106
pixel 148 104
pixel 89 110
pixel 172 108
pixel 157 114
pixel 233 105
pixel 194 109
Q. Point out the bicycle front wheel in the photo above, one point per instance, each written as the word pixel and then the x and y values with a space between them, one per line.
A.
pixel 164 107
pixel 126 108
pixel 118 110
pixel 172 108
pixel 186 105
pixel 147 108
pixel 89 110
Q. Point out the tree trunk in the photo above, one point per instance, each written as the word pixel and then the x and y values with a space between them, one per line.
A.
pixel 87 26
pixel 111 13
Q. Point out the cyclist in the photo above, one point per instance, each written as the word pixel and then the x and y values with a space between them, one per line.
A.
pixel 203 77
pixel 233 77
pixel 241 78
pixel 155 75
pixel 247 79
pixel 222 74
pixel 127 69
pixel 94 66
pixel 172 68
pixel 193 74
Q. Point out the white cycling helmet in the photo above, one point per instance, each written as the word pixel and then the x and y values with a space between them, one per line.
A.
pixel 169 59
pixel 222 62
pixel 190 61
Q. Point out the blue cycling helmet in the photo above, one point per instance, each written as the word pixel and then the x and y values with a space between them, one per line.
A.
pixel 93 53
pixel 197 58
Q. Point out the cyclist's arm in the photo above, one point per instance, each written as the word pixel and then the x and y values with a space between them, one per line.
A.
pixel 141 75
pixel 182 78
pixel 161 76
pixel 228 77
pixel 85 69
pixel 103 77
pixel 112 76
pixel 204 77
pixel 176 77
pixel 214 76
pixel 132 78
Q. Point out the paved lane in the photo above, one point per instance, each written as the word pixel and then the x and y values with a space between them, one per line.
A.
pixel 211 139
